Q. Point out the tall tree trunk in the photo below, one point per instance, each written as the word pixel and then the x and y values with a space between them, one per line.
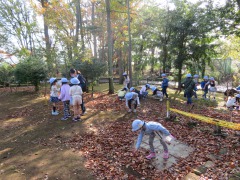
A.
pixel 120 66
pixel 110 46
pixel 152 60
pixel 46 37
pixel 164 57
pixel 130 45
pixel 81 27
pixel 179 77
pixel 94 32
pixel 78 15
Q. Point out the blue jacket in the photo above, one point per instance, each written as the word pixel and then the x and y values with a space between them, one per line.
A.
pixel 165 82
pixel 149 128
pixel 203 84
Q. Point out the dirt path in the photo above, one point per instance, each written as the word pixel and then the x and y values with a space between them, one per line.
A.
pixel 32 141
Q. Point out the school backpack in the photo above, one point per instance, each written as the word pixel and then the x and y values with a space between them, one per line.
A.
pixel 83 82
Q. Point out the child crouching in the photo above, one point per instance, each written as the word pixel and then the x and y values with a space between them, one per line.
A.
pixel 157 93
pixel 131 100
pixel 151 128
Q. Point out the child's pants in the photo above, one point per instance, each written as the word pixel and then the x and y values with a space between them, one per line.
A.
pixel 164 90
pixel 77 102
pixel 151 139
pixel 205 93
pixel 130 102
pixel 212 93
pixel 66 109
pixel 189 98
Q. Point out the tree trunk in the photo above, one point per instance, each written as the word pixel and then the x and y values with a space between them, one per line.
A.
pixel 94 32
pixel 120 66
pixel 152 60
pixel 46 37
pixel 179 77
pixel 110 43
pixel 130 45
pixel 75 49
pixel 164 57
pixel 81 27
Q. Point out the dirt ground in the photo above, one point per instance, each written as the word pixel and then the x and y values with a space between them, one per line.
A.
pixel 32 140
pixel 35 145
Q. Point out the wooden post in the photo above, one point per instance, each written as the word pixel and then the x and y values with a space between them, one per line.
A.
pixel 168 108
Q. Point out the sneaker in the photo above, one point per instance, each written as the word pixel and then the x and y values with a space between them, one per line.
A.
pixel 160 99
pixel 78 118
pixel 64 118
pixel 134 110
pixel 129 110
pixel 83 113
pixel 151 155
pixel 75 119
pixel 55 113
pixel 69 116
pixel 165 155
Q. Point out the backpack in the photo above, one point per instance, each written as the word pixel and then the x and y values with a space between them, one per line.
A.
pixel 83 82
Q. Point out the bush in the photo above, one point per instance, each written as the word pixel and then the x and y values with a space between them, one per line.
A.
pixel 31 70
pixel 6 74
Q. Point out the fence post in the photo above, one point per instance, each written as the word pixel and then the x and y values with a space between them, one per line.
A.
pixel 168 108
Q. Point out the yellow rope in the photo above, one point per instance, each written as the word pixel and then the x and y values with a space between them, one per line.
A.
pixel 230 125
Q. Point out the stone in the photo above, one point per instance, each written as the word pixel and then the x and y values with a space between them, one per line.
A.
pixel 177 149
pixel 191 176
pixel 209 164
pixel 200 170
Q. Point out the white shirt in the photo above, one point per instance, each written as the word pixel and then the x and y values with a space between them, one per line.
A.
pixel 143 89
pixel 75 90
pixel 231 101
pixel 54 91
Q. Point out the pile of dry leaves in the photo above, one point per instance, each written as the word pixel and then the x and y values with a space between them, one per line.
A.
pixel 109 154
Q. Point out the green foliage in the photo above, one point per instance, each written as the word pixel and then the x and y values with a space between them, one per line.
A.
pixel 6 74
pixel 91 69
pixel 31 70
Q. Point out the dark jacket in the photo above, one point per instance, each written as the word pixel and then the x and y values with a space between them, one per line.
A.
pixel 189 85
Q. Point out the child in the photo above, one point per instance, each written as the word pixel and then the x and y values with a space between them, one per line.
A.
pixel 132 89
pixel 126 81
pixel 65 98
pixel 157 92
pixel 54 95
pixel 204 86
pixel 144 89
pixel 82 84
pixel 76 93
pixel 151 128
pixel 121 94
pixel 131 99
pixel 195 79
pixel 164 85
pixel 189 85
pixel 212 89
pixel 231 103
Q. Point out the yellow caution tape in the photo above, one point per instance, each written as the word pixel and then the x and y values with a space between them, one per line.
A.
pixel 230 125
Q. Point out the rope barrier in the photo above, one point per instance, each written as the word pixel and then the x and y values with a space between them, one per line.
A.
pixel 222 123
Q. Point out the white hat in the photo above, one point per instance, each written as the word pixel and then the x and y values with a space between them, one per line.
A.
pixel 51 80
pixel 64 80
pixel 137 124
pixel 75 81
pixel 129 95
pixel 124 74
pixel 205 77
pixel 188 75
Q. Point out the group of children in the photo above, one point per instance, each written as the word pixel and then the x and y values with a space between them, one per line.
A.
pixel 133 96
pixel 69 94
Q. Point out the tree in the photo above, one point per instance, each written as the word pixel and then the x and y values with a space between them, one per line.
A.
pixel 110 46
pixel 31 70
pixel 6 74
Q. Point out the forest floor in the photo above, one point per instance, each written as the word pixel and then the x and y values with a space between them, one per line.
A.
pixel 36 145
